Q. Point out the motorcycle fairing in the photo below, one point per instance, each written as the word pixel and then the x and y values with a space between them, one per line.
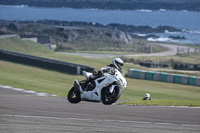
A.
pixel 95 95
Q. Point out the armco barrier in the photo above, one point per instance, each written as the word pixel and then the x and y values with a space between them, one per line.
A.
pixel 164 77
pixel 46 63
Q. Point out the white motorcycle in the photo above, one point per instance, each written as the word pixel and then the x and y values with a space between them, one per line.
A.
pixel 106 89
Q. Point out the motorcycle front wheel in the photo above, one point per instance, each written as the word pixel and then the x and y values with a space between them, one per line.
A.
pixel 108 98
pixel 74 96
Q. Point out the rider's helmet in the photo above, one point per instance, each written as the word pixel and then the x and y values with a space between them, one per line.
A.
pixel 118 63
pixel 147 95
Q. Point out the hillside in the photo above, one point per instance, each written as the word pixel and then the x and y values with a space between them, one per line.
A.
pixel 21 46
pixel 192 5
pixel 83 36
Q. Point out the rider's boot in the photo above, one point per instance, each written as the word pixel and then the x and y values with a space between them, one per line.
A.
pixel 77 86
pixel 87 81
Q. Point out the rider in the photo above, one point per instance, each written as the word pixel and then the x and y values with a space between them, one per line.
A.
pixel 147 97
pixel 117 63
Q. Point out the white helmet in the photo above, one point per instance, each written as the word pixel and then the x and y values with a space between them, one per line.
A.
pixel 147 95
pixel 118 63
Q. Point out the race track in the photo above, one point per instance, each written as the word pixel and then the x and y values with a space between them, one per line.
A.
pixel 22 112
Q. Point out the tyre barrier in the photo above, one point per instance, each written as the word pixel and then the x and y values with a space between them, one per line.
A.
pixel 153 64
pixel 45 63
pixel 186 66
pixel 170 78
pixel 142 74
pixel 149 75
pixel 156 76
pixel 163 77
pixel 191 80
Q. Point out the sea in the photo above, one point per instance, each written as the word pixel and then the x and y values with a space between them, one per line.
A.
pixel 188 21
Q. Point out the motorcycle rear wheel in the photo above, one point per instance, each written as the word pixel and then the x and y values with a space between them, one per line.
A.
pixel 108 98
pixel 74 96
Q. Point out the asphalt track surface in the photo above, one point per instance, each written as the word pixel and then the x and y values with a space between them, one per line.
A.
pixel 22 112
pixel 172 50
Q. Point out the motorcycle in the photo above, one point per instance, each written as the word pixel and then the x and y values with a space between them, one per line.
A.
pixel 106 88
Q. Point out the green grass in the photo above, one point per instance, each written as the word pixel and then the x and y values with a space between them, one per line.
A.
pixel 22 46
pixel 193 58
pixel 32 78
pixel 156 48
pixel 156 102
pixel 160 91
pixel 41 80
pixel 106 52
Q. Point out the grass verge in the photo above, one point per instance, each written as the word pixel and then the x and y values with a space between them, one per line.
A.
pixel 41 80
pixel 164 103
pixel 22 46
